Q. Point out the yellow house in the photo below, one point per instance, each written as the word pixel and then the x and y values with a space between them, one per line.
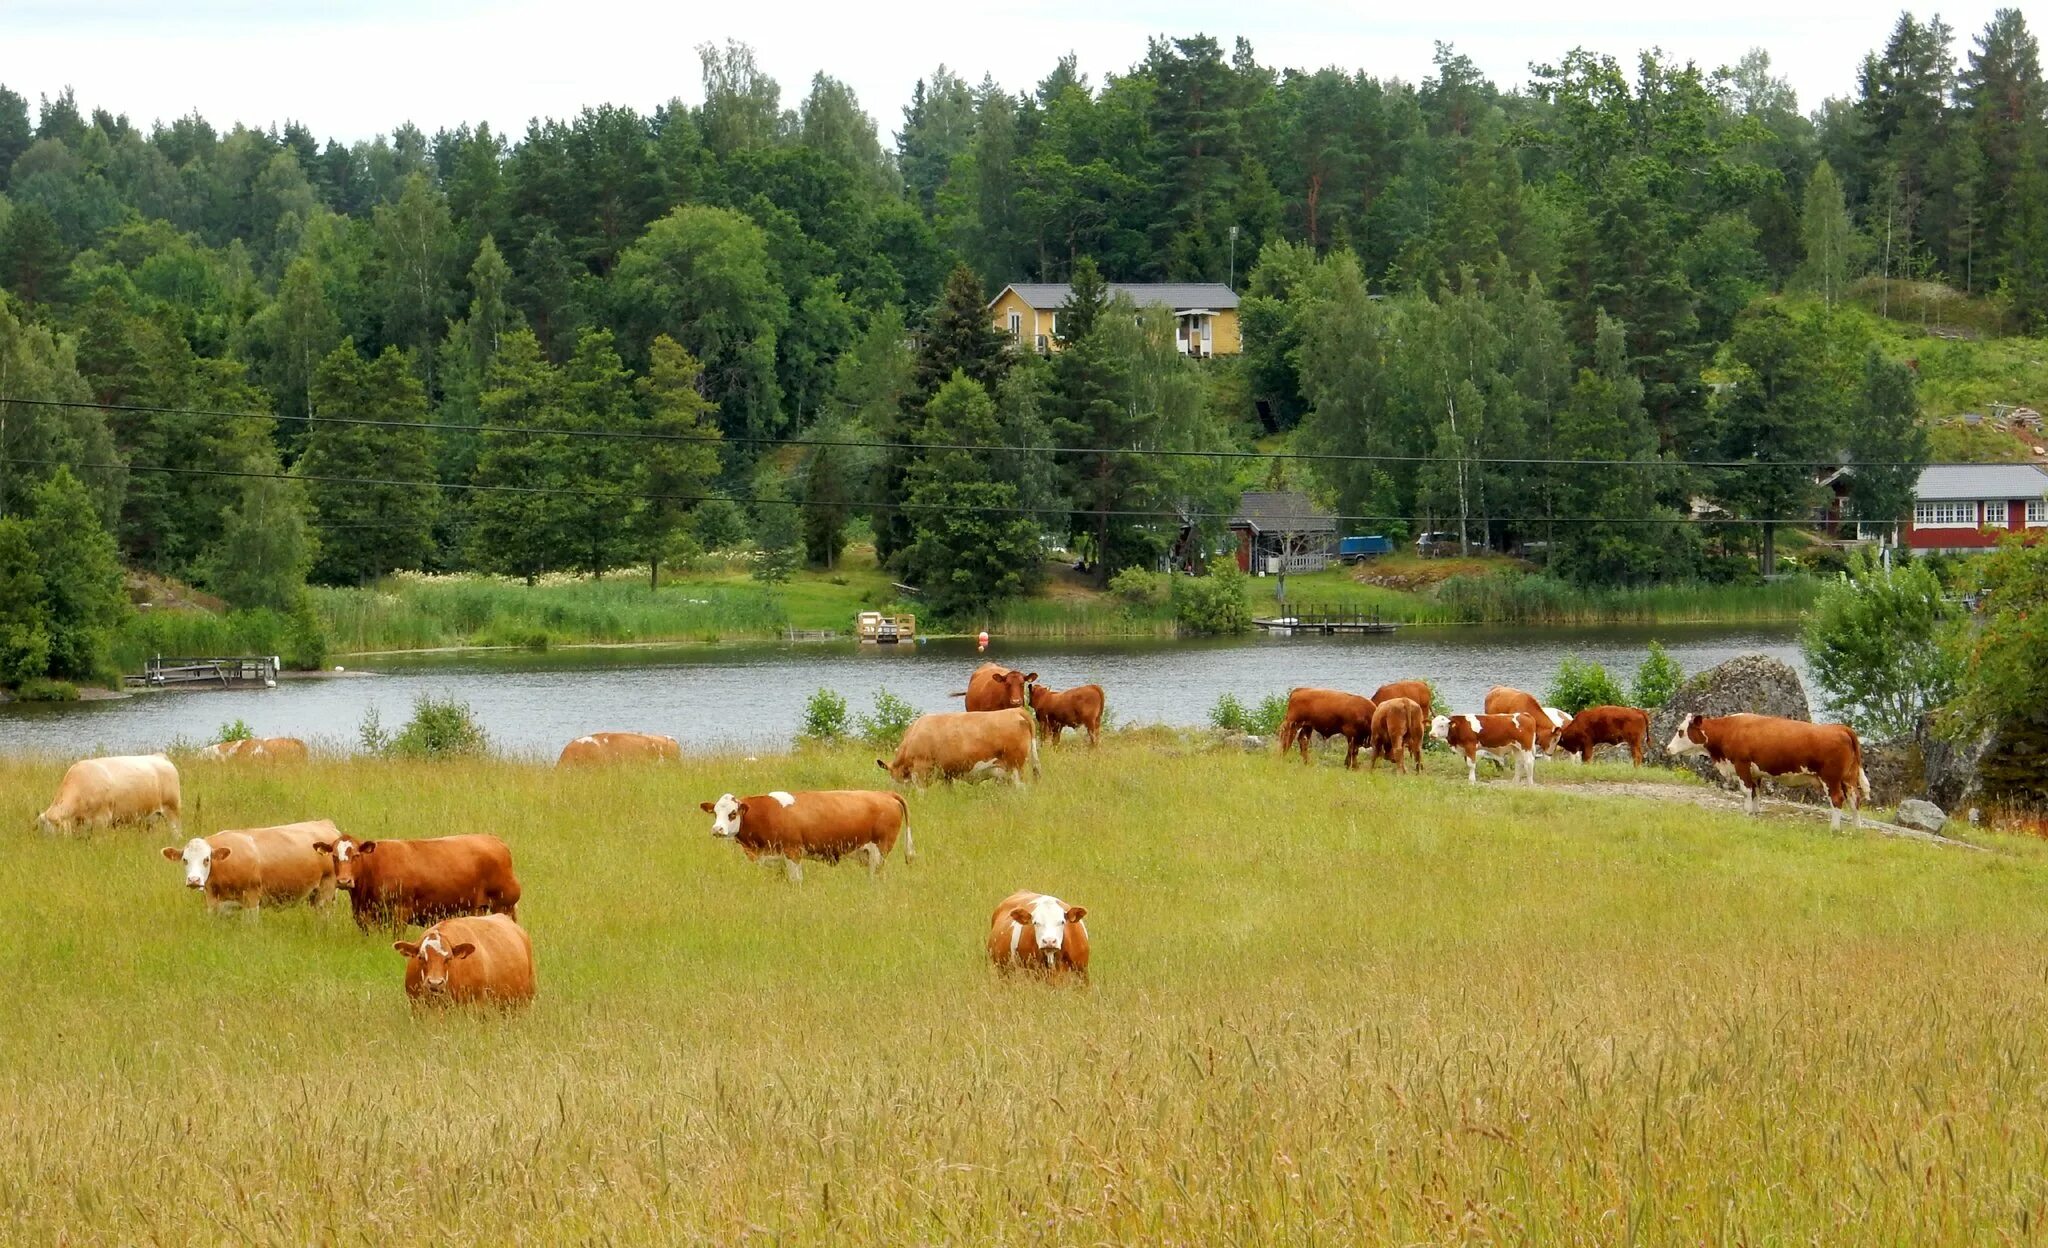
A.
pixel 1204 313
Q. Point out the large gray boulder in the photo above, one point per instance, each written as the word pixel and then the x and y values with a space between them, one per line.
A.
pixel 1953 780
pixel 1753 684
pixel 1926 816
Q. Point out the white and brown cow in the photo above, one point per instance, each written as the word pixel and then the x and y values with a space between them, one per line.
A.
pixel 1549 721
pixel 966 745
pixel 1746 748
pixel 1509 739
pixel 486 959
pixel 257 750
pixel 598 748
pixel 826 824
pixel 103 792
pixel 248 868
pixel 1040 933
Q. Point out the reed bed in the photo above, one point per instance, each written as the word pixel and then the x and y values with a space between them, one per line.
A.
pixel 1326 1008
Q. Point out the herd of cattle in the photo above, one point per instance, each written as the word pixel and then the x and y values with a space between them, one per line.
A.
pixel 463 891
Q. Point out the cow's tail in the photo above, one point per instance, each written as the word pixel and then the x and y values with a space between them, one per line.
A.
pixel 1035 771
pixel 909 842
pixel 957 693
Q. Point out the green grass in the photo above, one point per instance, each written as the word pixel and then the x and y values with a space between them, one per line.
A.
pixel 1510 598
pixel 1326 1008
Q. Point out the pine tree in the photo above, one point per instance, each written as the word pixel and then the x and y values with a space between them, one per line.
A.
pixel 1887 442
pixel 266 548
pixel 682 465
pixel 371 487
pixel 80 567
pixel 971 548
pixel 512 531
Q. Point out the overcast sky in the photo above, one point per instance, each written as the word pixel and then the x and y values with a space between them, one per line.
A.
pixel 357 68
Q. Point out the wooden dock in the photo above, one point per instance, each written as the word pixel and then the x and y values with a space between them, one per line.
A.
pixel 876 628
pixel 1325 621
pixel 240 672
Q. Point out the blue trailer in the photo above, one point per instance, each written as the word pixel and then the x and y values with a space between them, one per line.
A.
pixel 1360 549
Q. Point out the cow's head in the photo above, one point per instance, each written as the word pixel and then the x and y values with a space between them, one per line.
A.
pixel 1691 737
pixel 1046 920
pixel 899 771
pixel 45 825
pixel 1017 687
pixel 346 850
pixel 198 857
pixel 1440 728
pixel 435 956
pixel 726 814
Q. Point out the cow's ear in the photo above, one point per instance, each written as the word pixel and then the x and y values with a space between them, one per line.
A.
pixel 1030 677
pixel 409 948
pixel 709 808
pixel 173 853
pixel 879 763
pixel 220 853
pixel 740 809
pixel 1076 914
pixel 461 951
pixel 1020 915
pixel 364 847
pixel 322 847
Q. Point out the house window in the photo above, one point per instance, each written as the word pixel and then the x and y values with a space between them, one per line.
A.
pixel 1052 325
pixel 1997 513
pixel 1944 515
pixel 2037 513
pixel 1017 325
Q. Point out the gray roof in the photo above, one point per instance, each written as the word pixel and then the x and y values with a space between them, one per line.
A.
pixel 1214 296
pixel 1980 481
pixel 1284 511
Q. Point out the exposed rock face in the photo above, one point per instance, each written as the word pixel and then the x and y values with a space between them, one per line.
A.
pixel 1924 815
pixel 1752 684
pixel 1896 770
pixel 1950 767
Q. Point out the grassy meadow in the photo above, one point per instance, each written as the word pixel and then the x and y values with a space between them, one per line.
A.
pixel 1326 1008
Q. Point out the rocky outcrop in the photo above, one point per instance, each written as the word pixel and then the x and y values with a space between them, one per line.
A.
pixel 1923 815
pixel 1896 769
pixel 1950 768
pixel 1752 684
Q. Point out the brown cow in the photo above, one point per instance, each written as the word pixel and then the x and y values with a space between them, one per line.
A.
pixel 826 824
pixel 486 960
pixel 620 747
pixel 1749 747
pixel 1060 709
pixel 399 883
pixel 1035 932
pixel 103 792
pixel 247 868
pixel 1329 713
pixel 257 750
pixel 969 744
pixel 994 687
pixel 1504 700
pixel 1397 732
pixel 1416 691
pixel 1605 725
pixel 1506 738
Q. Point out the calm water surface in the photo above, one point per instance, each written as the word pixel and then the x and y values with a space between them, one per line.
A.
pixel 753 696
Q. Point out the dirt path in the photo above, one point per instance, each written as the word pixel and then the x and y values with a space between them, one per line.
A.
pixel 1720 799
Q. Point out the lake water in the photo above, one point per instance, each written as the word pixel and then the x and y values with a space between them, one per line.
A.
pixel 753 696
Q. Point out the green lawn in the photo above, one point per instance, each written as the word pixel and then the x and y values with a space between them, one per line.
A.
pixel 1326 1007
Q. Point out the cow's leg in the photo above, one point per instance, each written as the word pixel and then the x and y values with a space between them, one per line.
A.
pixel 873 853
pixel 792 870
pixel 1471 768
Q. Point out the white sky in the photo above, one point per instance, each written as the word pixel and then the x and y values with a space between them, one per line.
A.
pixel 359 67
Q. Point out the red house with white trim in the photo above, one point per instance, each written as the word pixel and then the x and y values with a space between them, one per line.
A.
pixel 1970 506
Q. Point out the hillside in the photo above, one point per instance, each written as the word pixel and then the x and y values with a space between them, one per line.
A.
pixel 1972 371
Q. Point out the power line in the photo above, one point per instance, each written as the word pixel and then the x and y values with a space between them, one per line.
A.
pixel 646 435
pixel 621 495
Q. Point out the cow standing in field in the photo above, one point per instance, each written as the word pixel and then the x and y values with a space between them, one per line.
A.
pixel 1057 710
pixel 1510 739
pixel 1397 732
pixel 619 747
pixel 1416 691
pixel 400 883
pixel 248 868
pixel 994 687
pixel 1329 713
pixel 257 750
pixel 1504 700
pixel 970 745
pixel 1036 932
pixel 1747 748
pixel 1605 725
pixel 825 824
pixel 104 792
pixel 469 961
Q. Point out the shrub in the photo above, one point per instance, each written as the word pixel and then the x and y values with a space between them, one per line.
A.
pixel 1658 678
pixel 1140 588
pixel 41 689
pixel 719 524
pixel 892 718
pixel 305 642
pixel 1874 643
pixel 1580 684
pixel 236 730
pixel 1266 717
pixel 1214 604
pixel 825 716
pixel 439 728
pixel 371 733
pixel 1228 714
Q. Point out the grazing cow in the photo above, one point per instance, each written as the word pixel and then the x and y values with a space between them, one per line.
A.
pixel 620 747
pixel 1060 709
pixel 248 868
pixel 400 883
pixel 1505 738
pixel 1503 700
pixel 1397 732
pixel 1035 932
pixel 994 687
pixel 257 750
pixel 103 792
pixel 966 744
pixel 483 960
pixel 826 824
pixel 1416 691
pixel 1329 713
pixel 1749 747
pixel 1605 725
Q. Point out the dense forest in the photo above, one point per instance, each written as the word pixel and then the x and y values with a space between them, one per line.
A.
pixel 618 338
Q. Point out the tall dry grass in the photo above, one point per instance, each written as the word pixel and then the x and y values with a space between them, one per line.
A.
pixel 1327 1008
